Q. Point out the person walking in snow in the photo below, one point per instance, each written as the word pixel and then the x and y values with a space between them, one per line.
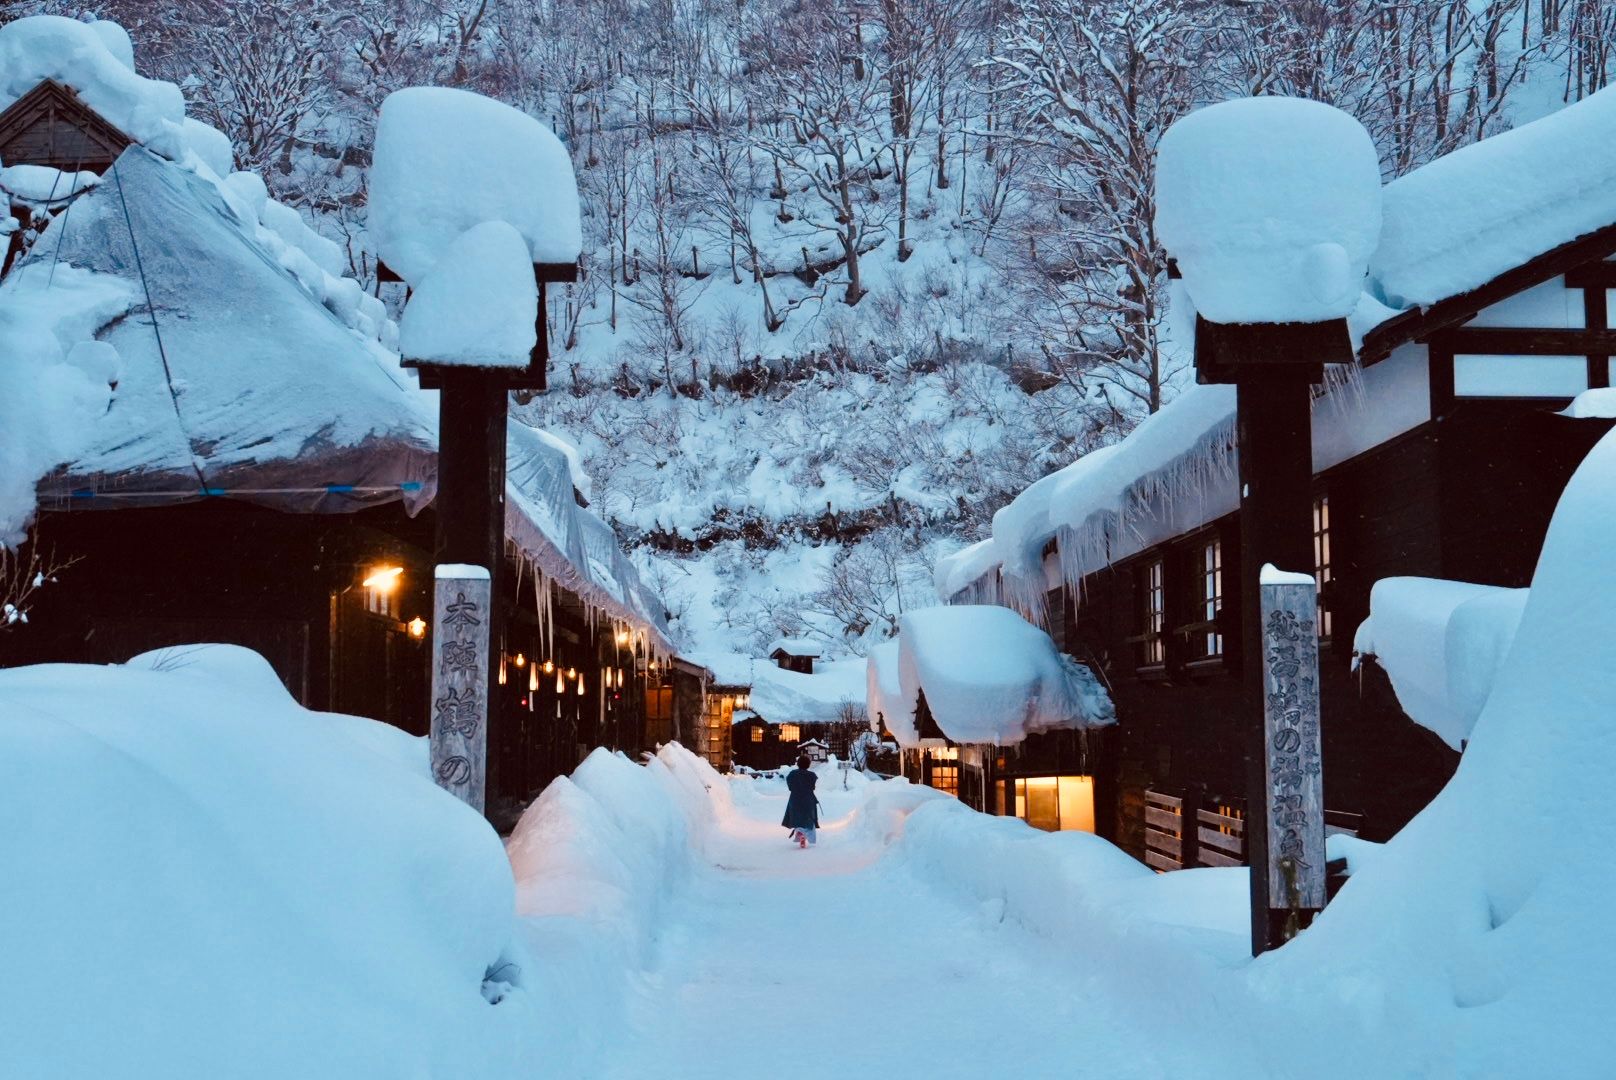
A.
pixel 802 809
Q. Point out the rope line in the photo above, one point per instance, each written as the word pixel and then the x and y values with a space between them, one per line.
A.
pixel 162 352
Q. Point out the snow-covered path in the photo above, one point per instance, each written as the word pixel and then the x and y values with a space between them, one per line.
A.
pixel 835 963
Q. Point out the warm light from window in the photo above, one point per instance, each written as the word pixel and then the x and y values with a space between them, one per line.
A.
pixel 417 628
pixel 622 638
pixel 384 579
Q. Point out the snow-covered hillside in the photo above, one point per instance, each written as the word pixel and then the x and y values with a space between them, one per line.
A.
pixel 874 298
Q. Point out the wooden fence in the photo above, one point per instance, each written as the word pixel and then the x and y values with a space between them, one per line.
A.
pixel 1180 831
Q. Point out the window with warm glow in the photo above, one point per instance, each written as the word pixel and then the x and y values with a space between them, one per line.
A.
pixel 1206 642
pixel 790 733
pixel 945 778
pixel 1154 610
pixel 1052 803
pixel 757 733
pixel 1321 559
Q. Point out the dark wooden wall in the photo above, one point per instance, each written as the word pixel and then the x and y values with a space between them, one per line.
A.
pixel 1467 498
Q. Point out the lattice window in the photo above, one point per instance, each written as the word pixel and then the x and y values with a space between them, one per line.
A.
pixel 1205 640
pixel 1153 645
pixel 1322 566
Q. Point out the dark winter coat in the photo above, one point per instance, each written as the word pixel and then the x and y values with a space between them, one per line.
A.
pixel 802 809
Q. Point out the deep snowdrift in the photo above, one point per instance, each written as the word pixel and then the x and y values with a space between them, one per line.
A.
pixel 204 879
pixel 1478 942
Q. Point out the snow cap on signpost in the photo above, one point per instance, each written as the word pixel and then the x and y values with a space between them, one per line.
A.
pixel 478 306
pixel 447 160
pixel 1271 208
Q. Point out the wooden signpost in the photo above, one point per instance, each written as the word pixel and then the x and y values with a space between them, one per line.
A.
pixel 1293 755
pixel 462 602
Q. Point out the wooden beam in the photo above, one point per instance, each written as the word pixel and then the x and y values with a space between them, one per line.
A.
pixel 1525 341
pixel 1597 319
pixel 1595 275
pixel 1419 324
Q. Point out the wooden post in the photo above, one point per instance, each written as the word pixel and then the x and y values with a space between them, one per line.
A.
pixel 1276 526
pixel 462 602
pixel 1293 781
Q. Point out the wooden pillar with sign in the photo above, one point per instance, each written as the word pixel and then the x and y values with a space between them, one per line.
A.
pixel 1273 367
pixel 462 603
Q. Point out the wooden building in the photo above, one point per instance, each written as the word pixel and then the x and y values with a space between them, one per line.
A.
pixel 265 476
pixel 1440 453
pixel 796 654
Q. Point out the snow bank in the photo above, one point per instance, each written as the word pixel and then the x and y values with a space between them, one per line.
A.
pixel 1271 206
pixel 595 857
pixel 990 676
pixel 1468 216
pixel 1477 941
pixel 1441 643
pixel 479 305
pixel 1086 897
pixel 213 880
pixel 446 160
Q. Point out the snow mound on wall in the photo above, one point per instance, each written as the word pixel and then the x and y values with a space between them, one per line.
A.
pixel 1271 205
pixel 1465 218
pixel 212 874
pixel 1441 643
pixel 990 676
pixel 449 159
pixel 1481 931
pixel 478 306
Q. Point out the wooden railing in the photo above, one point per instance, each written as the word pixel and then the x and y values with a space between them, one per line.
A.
pixel 1214 837
pixel 1221 839
pixel 1164 831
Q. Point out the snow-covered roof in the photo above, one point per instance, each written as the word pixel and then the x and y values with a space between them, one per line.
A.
pixel 479 305
pixel 990 676
pixel 1441 643
pixel 1467 217
pixel 797 646
pixel 781 696
pixel 885 700
pixel 219 342
pixel 96 60
pixel 447 160
pixel 1091 502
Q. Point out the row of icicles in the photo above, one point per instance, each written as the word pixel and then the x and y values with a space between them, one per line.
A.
pixel 610 677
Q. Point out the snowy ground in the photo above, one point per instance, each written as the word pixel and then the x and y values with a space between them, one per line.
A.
pixel 847 960
pixel 835 962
